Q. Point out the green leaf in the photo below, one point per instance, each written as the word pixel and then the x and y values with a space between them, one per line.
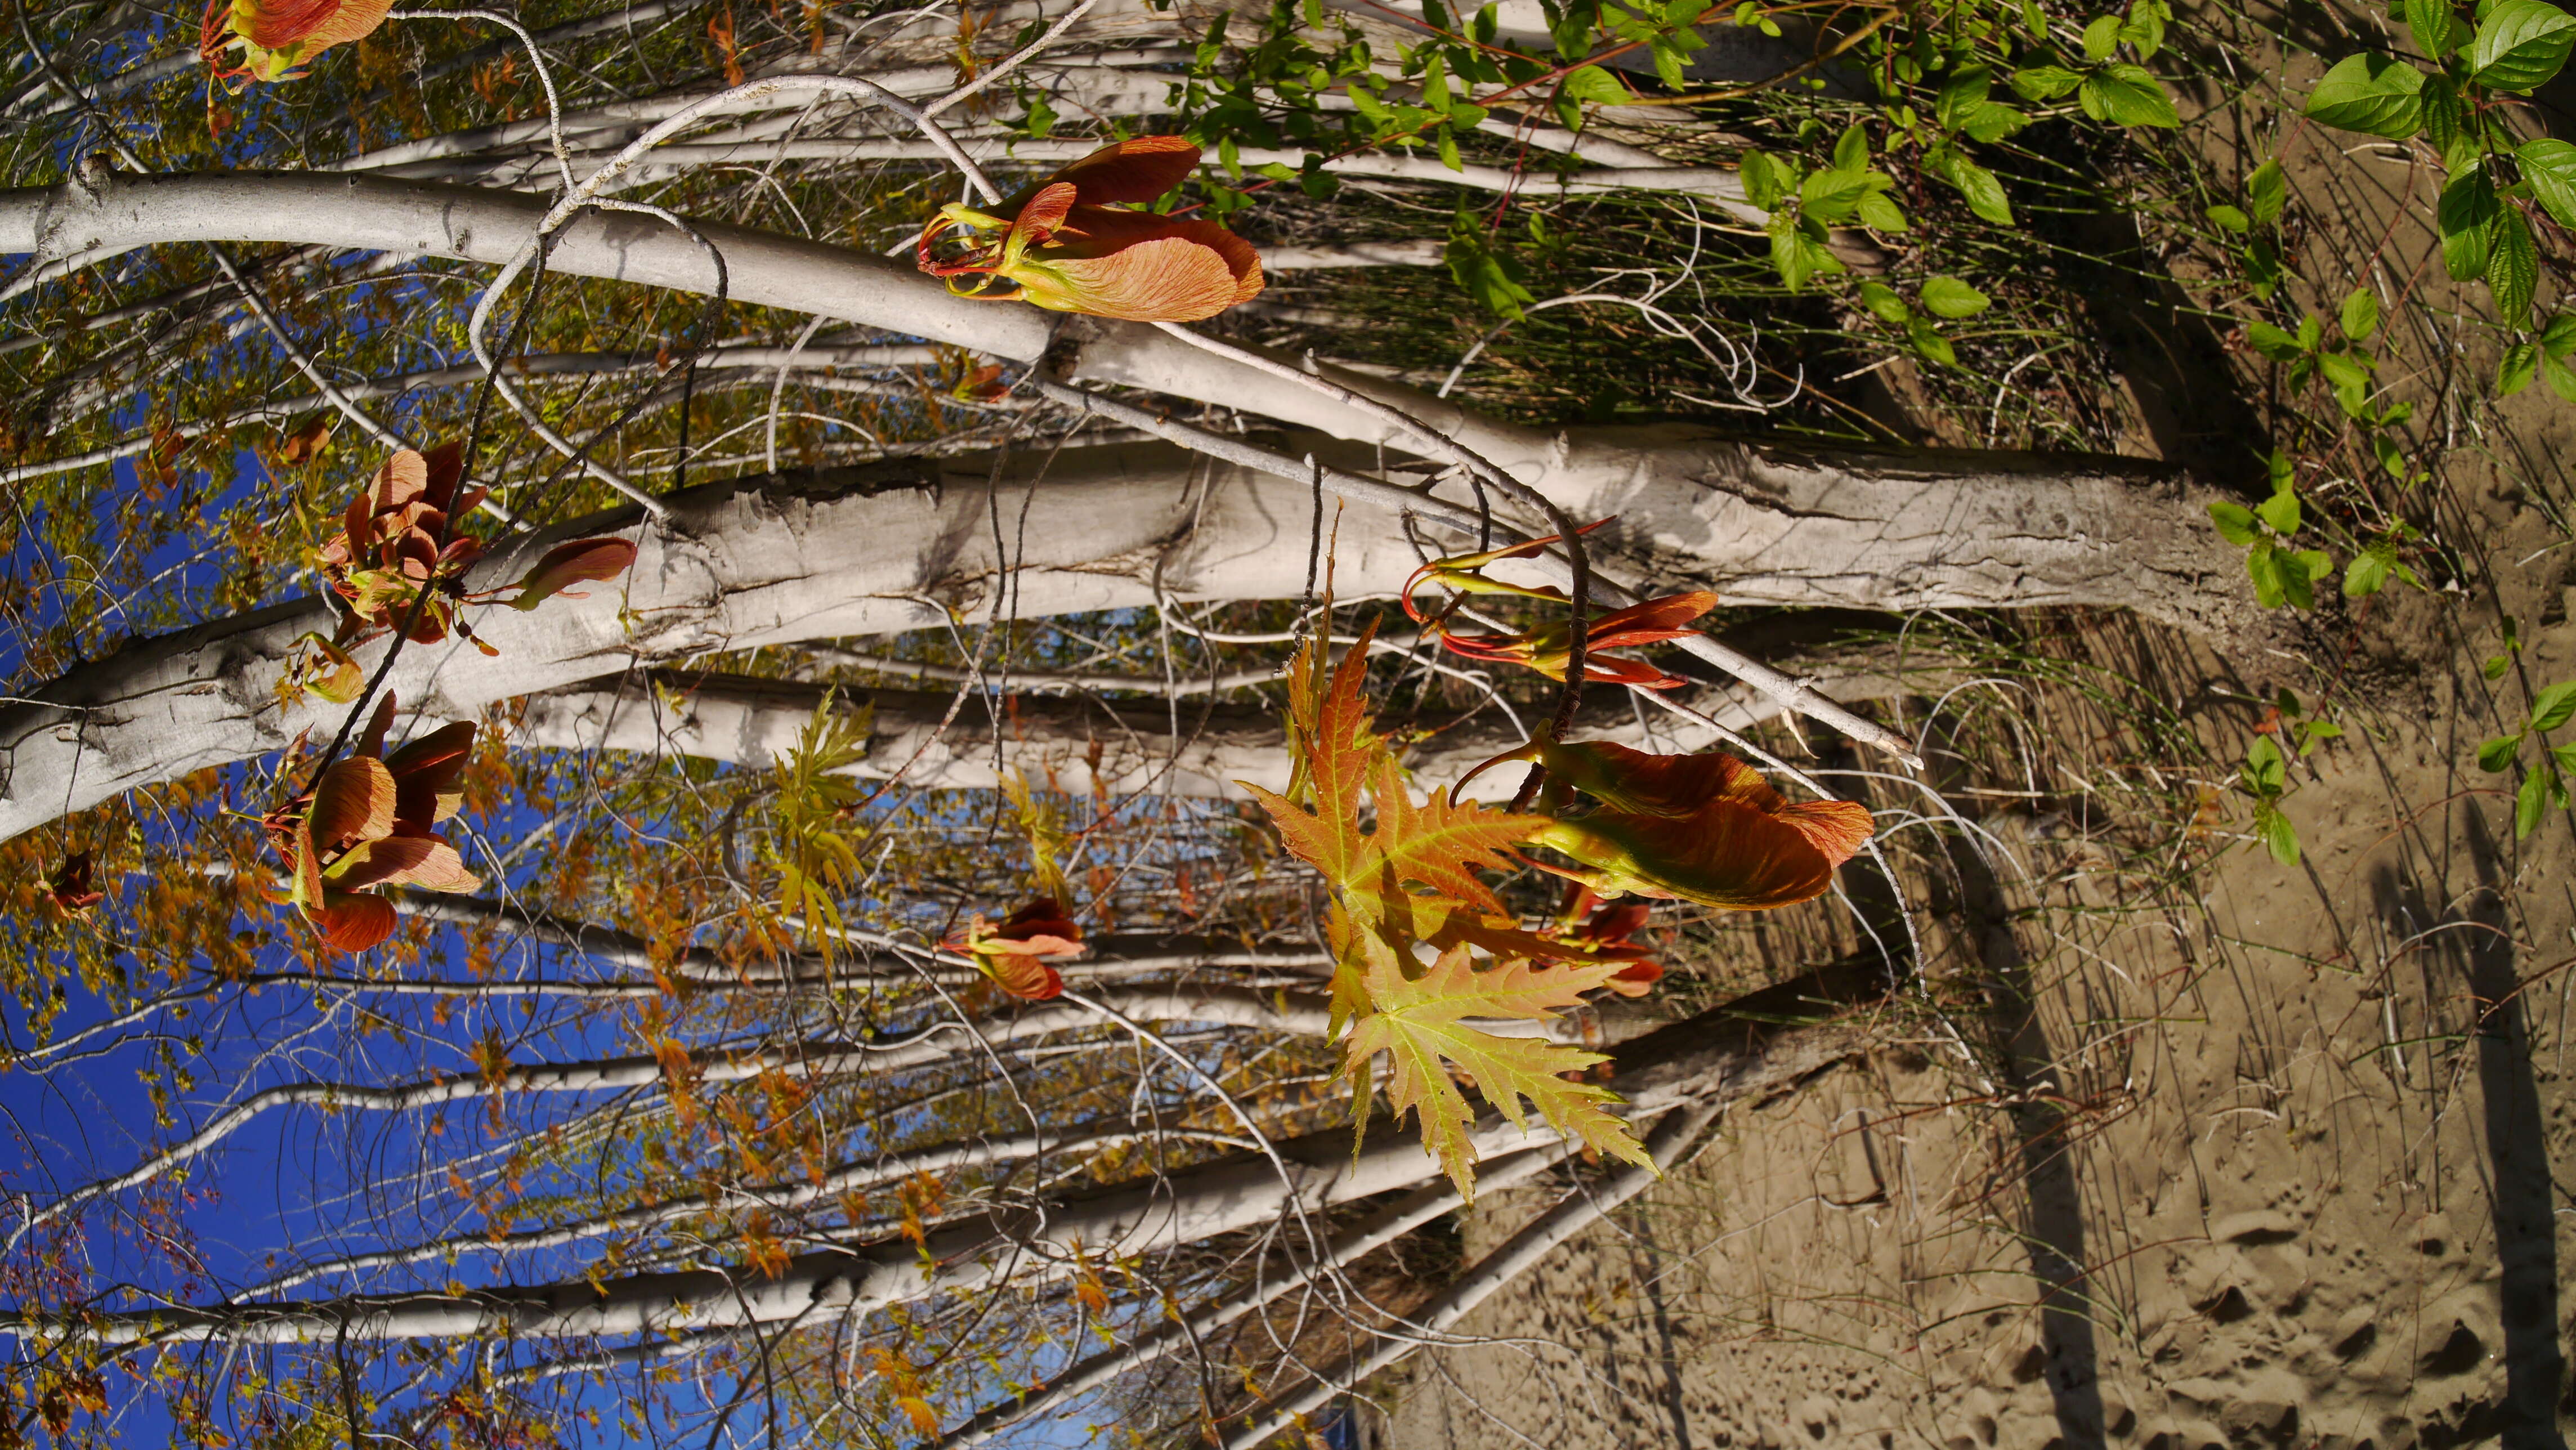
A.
pixel 2045 82
pixel 2235 523
pixel 1798 251
pixel 2447 122
pixel 2146 27
pixel 2372 94
pixel 2438 31
pixel 1851 149
pixel 2126 95
pixel 2366 575
pixel 2513 267
pixel 1883 302
pixel 1493 279
pixel 1928 341
pixel 2280 512
pixel 2554 706
pixel 1765 180
pixel 2266 193
pixel 1949 297
pixel 2559 338
pixel 2101 38
pixel 2360 315
pixel 2532 801
pixel 2279 836
pixel 2515 370
pixel 1833 196
pixel 1592 84
pixel 2550 166
pixel 2273 343
pixel 2230 218
pixel 2267 773
pixel 2520 44
pixel 2467 214
pixel 2271 581
pixel 2496 756
pixel 1984 192
pixel 1878 212
pixel 1669 59
pixel 2561 379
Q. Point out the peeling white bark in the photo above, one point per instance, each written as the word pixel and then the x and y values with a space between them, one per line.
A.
pixel 897 546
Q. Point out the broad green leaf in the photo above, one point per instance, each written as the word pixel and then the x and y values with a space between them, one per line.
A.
pixel 2267 772
pixel 1851 149
pixel 2554 706
pixel 1798 250
pixel 2101 38
pixel 1765 179
pixel 2559 338
pixel 1949 297
pixel 2266 193
pixel 2560 378
pixel 2126 95
pixel 2513 267
pixel 2520 44
pixel 1928 341
pixel 2366 575
pixel 2271 581
pixel 1878 212
pixel 2230 218
pixel 2373 94
pixel 2495 757
pixel 1493 279
pixel 2279 836
pixel 2467 214
pixel 2235 523
pixel 2146 27
pixel 2437 29
pixel 1833 196
pixel 2045 82
pixel 1593 85
pixel 2280 512
pixel 1883 302
pixel 2273 343
pixel 2515 370
pixel 2550 166
pixel 2360 315
pixel 2532 801
pixel 1984 192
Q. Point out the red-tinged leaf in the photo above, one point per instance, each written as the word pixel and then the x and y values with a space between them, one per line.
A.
pixel 70 885
pixel 1167 279
pixel 1463 572
pixel 1137 170
pixel 425 773
pixel 1022 974
pixel 1727 855
pixel 305 864
pixel 1680 785
pixel 352 921
pixel 1653 621
pixel 1044 215
pixel 306 443
pixel 1042 919
pixel 1418 1023
pixel 426 862
pixel 354 802
pixel 371 741
pixel 568 564
pixel 1636 979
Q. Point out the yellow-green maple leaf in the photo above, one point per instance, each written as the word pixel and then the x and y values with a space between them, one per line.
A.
pixel 1418 1022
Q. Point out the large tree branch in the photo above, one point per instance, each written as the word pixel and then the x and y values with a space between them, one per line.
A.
pixel 1730 1054
pixel 900 545
pixel 1081 745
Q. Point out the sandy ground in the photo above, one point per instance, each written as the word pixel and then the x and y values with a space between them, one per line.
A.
pixel 2287 1161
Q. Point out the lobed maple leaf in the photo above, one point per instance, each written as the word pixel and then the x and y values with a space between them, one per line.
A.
pixel 1381 927
pixel 1419 1023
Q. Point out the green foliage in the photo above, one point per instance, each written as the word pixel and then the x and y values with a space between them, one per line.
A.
pixel 2544 781
pixel 2281 575
pixel 811 845
pixel 2265 777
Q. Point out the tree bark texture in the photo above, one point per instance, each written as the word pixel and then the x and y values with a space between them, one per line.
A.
pixel 909 544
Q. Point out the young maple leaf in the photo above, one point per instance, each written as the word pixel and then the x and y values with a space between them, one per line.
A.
pixel 1419 1024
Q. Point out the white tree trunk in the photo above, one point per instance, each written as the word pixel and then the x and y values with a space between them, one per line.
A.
pixel 897 546
pixel 1712 1058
